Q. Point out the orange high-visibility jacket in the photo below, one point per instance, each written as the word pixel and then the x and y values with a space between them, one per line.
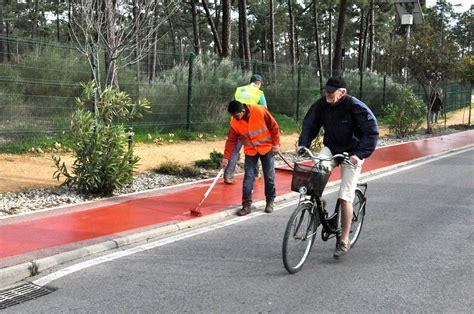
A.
pixel 254 134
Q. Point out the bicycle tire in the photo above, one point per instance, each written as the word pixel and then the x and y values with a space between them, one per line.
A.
pixel 358 215
pixel 296 244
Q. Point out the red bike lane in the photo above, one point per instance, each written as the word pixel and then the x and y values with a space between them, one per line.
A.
pixel 98 220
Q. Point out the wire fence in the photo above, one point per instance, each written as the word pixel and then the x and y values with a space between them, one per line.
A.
pixel 39 82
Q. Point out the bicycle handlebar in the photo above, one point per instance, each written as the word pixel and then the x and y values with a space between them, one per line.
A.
pixel 315 158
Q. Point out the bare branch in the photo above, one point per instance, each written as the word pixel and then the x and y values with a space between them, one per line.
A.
pixel 117 28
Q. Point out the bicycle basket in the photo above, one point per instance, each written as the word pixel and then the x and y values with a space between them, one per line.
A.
pixel 308 176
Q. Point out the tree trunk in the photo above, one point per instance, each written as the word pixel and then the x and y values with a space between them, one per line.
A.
pixel 361 36
pixel 297 47
pixel 196 33
pixel 272 34
pixel 2 33
pixel 241 36
pixel 217 41
pixel 34 22
pixel 110 26
pixel 371 52
pixel 152 74
pixel 244 45
pixel 69 13
pixel 319 61
pixel 364 43
pixel 337 65
pixel 171 25
pixel 57 20
pixel 136 16
pixel 8 48
pixel 330 44
pixel 217 16
pixel 248 57
pixel 226 28
pixel 292 34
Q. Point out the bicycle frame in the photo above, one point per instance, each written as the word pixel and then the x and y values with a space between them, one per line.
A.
pixel 332 224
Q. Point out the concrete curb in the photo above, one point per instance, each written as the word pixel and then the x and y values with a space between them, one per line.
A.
pixel 13 274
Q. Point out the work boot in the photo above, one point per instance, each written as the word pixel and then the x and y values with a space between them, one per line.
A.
pixel 245 210
pixel 229 180
pixel 269 207
pixel 341 249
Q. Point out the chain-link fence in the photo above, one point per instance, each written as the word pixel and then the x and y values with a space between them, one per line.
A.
pixel 40 80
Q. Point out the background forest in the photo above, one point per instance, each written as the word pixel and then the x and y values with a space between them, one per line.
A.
pixel 187 57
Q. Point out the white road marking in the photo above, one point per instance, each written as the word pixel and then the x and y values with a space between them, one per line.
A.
pixel 151 245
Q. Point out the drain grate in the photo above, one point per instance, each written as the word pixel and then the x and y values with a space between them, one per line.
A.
pixel 22 294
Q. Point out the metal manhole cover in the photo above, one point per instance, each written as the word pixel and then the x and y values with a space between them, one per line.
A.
pixel 22 294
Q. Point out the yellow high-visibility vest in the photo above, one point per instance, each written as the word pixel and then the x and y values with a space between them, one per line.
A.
pixel 248 94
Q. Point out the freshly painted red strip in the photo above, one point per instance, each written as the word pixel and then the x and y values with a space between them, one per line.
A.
pixel 28 236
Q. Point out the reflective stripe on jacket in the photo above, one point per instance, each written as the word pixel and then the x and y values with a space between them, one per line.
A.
pixel 248 94
pixel 254 134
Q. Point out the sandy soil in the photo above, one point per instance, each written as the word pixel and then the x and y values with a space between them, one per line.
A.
pixel 18 172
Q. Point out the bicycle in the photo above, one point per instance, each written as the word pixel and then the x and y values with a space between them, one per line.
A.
pixel 301 229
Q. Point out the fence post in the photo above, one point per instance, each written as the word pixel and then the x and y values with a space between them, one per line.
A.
pixel 17 53
pixel 298 92
pixel 384 90
pixel 131 134
pixel 470 107
pixel 444 88
pixel 190 92
pixel 96 80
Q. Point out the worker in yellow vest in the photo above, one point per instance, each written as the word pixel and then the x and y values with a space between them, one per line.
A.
pixel 258 131
pixel 248 94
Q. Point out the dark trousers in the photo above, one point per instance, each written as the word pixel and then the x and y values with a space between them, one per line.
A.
pixel 268 167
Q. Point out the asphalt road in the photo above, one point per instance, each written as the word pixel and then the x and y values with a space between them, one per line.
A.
pixel 415 254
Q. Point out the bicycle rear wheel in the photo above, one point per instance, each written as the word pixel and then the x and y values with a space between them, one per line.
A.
pixel 299 237
pixel 358 215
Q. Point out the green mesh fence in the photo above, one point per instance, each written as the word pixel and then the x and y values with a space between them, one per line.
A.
pixel 40 80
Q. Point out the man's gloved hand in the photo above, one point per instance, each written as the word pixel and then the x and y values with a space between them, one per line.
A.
pixel 275 150
pixel 301 150
pixel 224 163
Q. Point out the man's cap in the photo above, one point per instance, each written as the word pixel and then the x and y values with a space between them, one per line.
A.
pixel 256 78
pixel 334 83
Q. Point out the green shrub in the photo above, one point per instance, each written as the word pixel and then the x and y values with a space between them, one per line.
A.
pixel 405 115
pixel 206 164
pixel 190 172
pixel 213 162
pixel 102 165
pixel 173 168
pixel 169 167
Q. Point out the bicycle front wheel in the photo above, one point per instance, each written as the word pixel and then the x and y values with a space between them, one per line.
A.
pixel 358 215
pixel 299 237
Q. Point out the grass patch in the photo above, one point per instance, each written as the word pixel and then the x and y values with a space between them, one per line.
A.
pixel 24 144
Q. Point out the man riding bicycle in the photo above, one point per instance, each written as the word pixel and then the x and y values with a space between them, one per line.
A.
pixel 349 126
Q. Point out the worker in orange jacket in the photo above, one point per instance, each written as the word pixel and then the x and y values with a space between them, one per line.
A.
pixel 256 128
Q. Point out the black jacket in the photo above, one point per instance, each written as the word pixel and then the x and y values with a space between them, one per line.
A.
pixel 436 103
pixel 349 126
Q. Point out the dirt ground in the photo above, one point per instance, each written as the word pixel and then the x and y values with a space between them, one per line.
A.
pixel 19 172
